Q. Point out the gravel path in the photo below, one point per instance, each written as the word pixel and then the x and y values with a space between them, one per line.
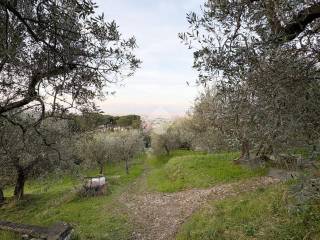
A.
pixel 158 216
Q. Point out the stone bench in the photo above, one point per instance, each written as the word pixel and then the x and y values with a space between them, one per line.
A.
pixel 59 231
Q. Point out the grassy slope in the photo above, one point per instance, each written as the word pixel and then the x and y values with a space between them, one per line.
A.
pixel 93 218
pixel 184 170
pixel 103 217
pixel 257 215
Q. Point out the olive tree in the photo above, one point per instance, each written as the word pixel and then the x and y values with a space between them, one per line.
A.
pixel 176 135
pixel 99 149
pixel 266 118
pixel 180 128
pixel 262 57
pixel 27 152
pixel 130 145
pixel 211 129
pixel 59 54
pixel 56 56
pixel 162 143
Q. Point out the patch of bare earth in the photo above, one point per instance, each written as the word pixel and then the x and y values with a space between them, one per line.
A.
pixel 158 216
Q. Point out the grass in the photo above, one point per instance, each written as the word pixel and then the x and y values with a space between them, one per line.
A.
pixel 262 215
pixel 103 218
pixel 184 169
pixel 57 200
pixel 9 236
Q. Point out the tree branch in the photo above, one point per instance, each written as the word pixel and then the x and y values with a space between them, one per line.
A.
pixel 31 93
pixel 6 4
pixel 299 23
pixel 293 28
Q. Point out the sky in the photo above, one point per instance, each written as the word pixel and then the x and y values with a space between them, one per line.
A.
pixel 159 88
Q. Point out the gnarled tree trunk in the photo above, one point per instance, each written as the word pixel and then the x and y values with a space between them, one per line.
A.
pixel 21 179
pixel 245 151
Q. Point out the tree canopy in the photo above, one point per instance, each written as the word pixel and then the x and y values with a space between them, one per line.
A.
pixel 56 58
pixel 262 58
pixel 57 55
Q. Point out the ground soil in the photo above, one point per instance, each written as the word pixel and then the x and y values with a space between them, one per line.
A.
pixel 158 216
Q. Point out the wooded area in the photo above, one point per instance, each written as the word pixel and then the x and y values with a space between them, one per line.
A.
pixel 254 123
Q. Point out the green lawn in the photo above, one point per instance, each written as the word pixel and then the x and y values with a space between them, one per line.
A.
pixel 93 218
pixel 262 215
pixel 184 169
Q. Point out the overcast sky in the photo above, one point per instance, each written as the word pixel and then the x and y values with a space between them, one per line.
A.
pixel 159 87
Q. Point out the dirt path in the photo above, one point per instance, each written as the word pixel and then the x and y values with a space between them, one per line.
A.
pixel 158 216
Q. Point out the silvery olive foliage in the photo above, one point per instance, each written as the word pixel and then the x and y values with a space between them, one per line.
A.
pixel 212 131
pixel 131 145
pixel 57 55
pixel 97 150
pixel 28 152
pixel 103 148
pixel 261 61
pixel 163 143
pixel 175 135
pixel 56 58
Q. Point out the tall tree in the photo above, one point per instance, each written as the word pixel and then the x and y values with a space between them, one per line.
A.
pixel 263 58
pixel 59 54
pixel 56 55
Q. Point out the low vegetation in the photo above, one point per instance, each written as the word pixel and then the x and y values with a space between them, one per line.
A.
pixel 103 217
pixel 56 200
pixel 184 170
pixel 263 214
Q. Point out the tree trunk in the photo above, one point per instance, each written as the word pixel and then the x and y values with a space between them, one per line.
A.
pixel 260 148
pixel 19 188
pixel 313 152
pixel 127 166
pixel 245 151
pixel 167 149
pixel 1 196
pixel 314 148
pixel 101 169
